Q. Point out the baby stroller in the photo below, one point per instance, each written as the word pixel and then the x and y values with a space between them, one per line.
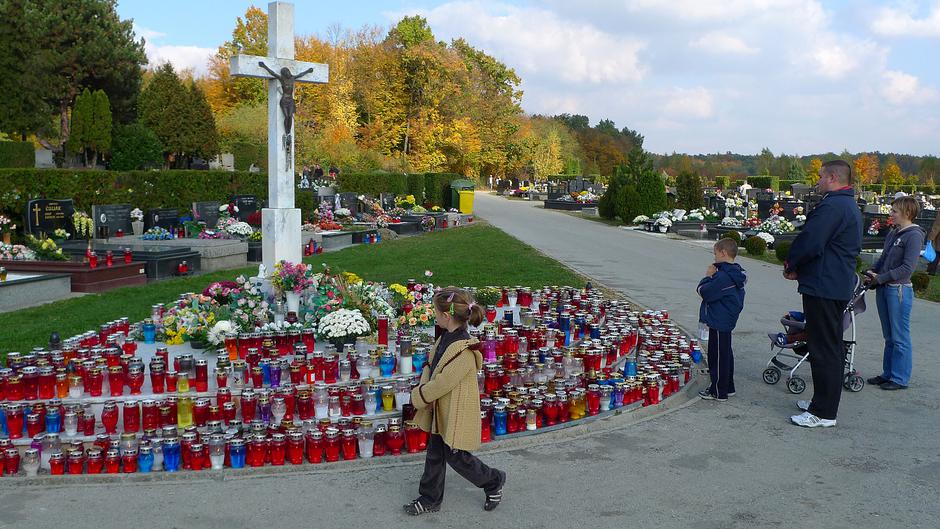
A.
pixel 791 345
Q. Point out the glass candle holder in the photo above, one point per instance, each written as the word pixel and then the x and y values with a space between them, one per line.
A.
pixel 30 462
pixel 394 440
pixel 331 445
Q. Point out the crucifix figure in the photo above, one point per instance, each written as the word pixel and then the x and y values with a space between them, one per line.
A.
pixel 280 221
pixel 288 107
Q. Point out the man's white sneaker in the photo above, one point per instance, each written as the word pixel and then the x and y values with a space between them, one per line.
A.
pixel 803 405
pixel 808 420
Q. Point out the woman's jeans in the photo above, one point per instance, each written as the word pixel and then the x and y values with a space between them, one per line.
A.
pixel 894 309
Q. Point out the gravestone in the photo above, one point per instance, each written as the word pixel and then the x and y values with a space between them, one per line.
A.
pixel 575 186
pixel 110 218
pixel 163 217
pixel 349 201
pixel 811 200
pixel 387 200
pixel 228 161
pixel 44 159
pixel 246 204
pixel 801 190
pixel 45 215
pixel 207 212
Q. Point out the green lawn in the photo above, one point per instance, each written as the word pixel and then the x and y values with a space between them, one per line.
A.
pixel 477 255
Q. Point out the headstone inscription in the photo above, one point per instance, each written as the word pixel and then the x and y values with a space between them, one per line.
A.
pixel 45 215
pixel 246 204
pixel 163 217
pixel 111 219
pixel 207 212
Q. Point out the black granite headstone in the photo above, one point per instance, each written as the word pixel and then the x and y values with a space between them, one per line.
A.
pixel 246 204
pixel 350 201
pixel 387 200
pixel 110 218
pixel 207 212
pixel 46 215
pixel 801 190
pixel 163 217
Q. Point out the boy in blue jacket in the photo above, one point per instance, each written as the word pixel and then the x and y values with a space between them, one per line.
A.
pixel 722 291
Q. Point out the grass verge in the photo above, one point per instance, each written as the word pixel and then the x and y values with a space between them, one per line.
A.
pixel 476 255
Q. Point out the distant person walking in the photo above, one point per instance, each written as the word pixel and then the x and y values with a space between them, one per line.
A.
pixel 822 260
pixel 895 293
pixel 317 172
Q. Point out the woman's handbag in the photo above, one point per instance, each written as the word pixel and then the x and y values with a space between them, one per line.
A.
pixel 929 253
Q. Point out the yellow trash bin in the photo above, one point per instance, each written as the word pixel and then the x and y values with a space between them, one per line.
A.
pixel 466 202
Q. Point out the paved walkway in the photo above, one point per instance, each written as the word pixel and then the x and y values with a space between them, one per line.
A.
pixel 708 465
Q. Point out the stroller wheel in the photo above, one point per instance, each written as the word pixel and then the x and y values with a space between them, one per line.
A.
pixel 771 375
pixel 854 383
pixel 796 385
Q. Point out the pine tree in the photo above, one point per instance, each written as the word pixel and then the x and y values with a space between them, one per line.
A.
pixel 163 109
pixel 203 137
pixel 81 123
pixel 689 190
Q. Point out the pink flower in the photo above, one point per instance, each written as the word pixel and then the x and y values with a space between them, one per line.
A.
pixel 428 273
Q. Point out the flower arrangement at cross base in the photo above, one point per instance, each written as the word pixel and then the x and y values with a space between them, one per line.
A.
pixel 343 326
pixel 190 320
pixel 291 278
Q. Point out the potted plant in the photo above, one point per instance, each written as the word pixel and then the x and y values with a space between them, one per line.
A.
pixel 6 227
pixel 343 326
pixel 137 221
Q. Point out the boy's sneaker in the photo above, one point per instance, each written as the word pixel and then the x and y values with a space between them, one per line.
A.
pixel 803 405
pixel 416 508
pixel 707 395
pixel 808 420
pixel 732 393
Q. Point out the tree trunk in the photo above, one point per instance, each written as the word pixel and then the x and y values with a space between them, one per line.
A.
pixel 94 159
pixel 64 128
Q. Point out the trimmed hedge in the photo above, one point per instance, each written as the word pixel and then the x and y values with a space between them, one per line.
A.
pixel 17 154
pixel 733 234
pixel 372 183
pixel 764 182
pixel 787 185
pixel 414 185
pixel 247 153
pixel 721 182
pixel 437 188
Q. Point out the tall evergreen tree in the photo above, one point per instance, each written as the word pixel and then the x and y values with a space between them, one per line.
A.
pixel 99 137
pixel 23 111
pixel 202 136
pixel 689 194
pixel 163 105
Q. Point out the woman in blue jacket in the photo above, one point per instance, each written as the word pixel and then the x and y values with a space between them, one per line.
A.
pixel 895 294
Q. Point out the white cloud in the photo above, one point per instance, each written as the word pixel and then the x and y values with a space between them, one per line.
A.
pixel 901 89
pixel 539 43
pixel 717 42
pixel 896 22
pixel 686 103
pixel 193 58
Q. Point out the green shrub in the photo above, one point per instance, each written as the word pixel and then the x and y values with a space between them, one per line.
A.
pixel 764 182
pixel 755 245
pixel 414 185
pixel 17 154
pixel 437 189
pixel 782 249
pixel 721 182
pixel 787 185
pixel 920 281
pixel 135 147
pixel 247 153
pixel 627 203
pixel 734 234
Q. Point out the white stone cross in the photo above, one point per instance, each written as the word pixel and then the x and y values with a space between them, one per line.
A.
pixel 280 221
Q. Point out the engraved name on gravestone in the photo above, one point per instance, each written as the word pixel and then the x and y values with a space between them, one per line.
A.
pixel 112 217
pixel 163 217
pixel 207 212
pixel 246 204
pixel 45 215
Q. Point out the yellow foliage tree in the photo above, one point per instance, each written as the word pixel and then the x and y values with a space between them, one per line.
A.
pixel 866 169
pixel 893 175
pixel 813 175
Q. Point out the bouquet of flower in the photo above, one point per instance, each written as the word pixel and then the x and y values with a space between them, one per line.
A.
pixel 250 310
pixel 254 219
pixel 438 209
pixel 775 225
pixel 255 236
pixel 702 214
pixel 343 213
pixel 342 325
pixel 317 184
pixel 212 234
pixel 399 296
pixel 776 209
pixel 239 229
pixel 418 210
pixel 309 226
pixel 421 315
pixel 16 252
pixel 137 215
pixel 877 226
pixel 768 238
pixel 157 234
pixel 405 202
pixel 45 249
pixel 60 234
pixel 289 277
pixel 397 212
pixel 488 296
pixel 752 222
pixel 224 292
pixel 6 225
pixel 382 221
pixel 216 334
pixel 190 321
pixel 329 225
pixel 428 222
pixel 84 226
pixel 640 219
pixel 733 222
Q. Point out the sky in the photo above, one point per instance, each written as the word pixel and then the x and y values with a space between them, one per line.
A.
pixel 695 76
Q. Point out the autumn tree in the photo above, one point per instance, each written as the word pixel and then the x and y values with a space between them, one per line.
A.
pixel 867 169
pixel 892 174
pixel 249 37
pixel 812 176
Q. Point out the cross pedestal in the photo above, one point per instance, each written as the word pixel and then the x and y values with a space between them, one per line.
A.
pixel 280 221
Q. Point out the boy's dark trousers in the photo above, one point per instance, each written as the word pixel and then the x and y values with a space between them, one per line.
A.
pixel 465 463
pixel 720 363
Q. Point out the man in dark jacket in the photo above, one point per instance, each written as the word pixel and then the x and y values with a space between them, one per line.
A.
pixel 822 259
pixel 722 291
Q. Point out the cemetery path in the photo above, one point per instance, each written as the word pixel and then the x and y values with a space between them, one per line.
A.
pixel 708 465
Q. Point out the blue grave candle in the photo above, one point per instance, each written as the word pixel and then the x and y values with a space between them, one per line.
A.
pixel 150 331
pixel 145 459
pixel 171 454
pixel 564 322
pixel 499 420
pixel 53 421
pixel 237 453
pixel 419 359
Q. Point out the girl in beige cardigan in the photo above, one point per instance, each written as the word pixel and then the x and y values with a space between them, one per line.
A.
pixel 448 406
